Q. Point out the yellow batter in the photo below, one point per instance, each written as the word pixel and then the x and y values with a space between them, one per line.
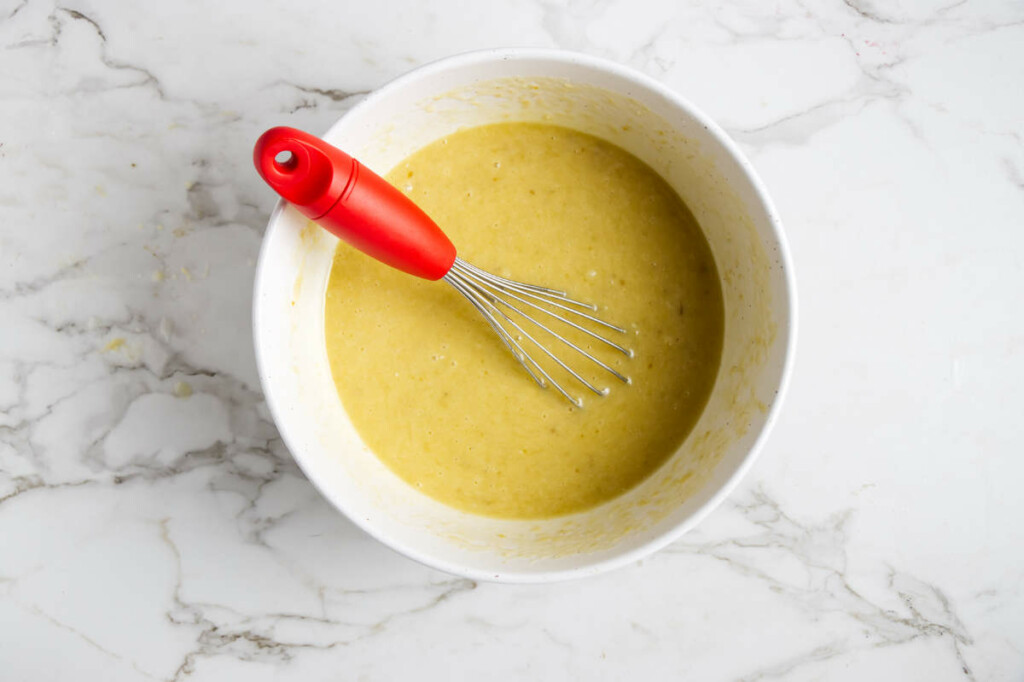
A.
pixel 434 393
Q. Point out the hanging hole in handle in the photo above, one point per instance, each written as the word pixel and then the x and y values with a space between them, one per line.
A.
pixel 285 161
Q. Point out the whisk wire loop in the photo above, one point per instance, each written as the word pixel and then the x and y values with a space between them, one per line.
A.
pixel 490 295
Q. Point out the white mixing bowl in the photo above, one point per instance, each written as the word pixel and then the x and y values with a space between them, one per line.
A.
pixel 716 182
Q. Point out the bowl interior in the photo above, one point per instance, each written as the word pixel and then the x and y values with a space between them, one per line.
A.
pixel 703 167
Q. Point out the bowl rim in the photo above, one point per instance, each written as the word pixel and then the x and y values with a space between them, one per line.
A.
pixel 725 489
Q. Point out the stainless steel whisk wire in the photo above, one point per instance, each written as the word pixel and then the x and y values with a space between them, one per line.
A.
pixel 491 295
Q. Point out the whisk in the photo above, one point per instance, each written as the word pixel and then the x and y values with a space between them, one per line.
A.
pixel 361 208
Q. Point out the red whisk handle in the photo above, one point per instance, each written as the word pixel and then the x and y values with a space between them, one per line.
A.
pixel 352 202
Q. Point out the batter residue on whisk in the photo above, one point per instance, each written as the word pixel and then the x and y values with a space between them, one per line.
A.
pixel 434 393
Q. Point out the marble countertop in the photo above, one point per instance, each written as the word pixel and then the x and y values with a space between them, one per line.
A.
pixel 153 526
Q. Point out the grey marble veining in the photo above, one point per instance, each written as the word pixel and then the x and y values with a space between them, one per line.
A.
pixel 153 526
